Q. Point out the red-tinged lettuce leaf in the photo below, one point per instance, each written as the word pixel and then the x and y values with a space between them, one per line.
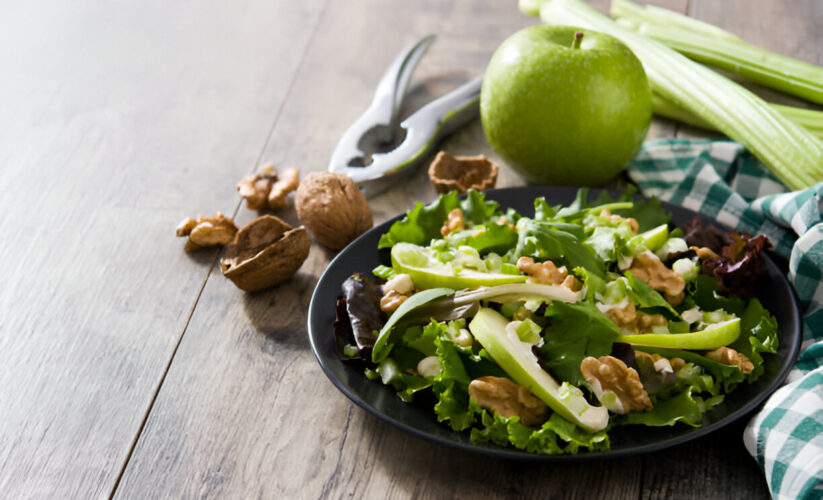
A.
pixel 698 235
pixel 740 265
pixel 359 317
pixel 423 222
pixel 574 332
pixel 758 335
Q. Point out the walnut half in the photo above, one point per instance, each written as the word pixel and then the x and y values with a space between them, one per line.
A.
pixel 508 399
pixel 617 386
pixel 207 231
pixel 729 356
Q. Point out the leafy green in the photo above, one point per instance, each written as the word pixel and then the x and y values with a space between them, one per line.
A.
pixel 574 332
pixel 499 238
pixel 758 335
pixel 423 222
pixel 728 375
pixel 647 298
pixel 381 345
pixel 541 241
pixel 706 297
pixel 683 407
pixel 555 436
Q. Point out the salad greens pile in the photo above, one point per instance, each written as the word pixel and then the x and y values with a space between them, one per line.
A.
pixel 546 332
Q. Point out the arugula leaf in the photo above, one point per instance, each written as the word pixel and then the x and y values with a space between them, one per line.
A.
pixel 574 332
pixel 541 241
pixel 647 298
pixel 423 222
pixel 382 346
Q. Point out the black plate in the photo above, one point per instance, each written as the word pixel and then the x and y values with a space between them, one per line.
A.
pixel 362 256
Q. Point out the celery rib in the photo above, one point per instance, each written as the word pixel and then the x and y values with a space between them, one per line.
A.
pixel 792 153
pixel 772 70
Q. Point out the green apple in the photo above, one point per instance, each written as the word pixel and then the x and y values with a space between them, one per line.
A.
pixel 564 105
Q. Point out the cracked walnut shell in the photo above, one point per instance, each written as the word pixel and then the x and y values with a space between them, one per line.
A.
pixel 333 208
pixel 264 253
pixel 461 173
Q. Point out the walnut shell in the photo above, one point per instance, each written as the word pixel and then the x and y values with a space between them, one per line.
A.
pixel 461 173
pixel 332 207
pixel 264 253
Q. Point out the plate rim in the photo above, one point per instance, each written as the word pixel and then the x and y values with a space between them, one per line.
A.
pixel 793 343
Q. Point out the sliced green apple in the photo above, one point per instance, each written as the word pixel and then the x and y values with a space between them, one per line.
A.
pixel 656 237
pixel 428 272
pixel 714 336
pixel 519 362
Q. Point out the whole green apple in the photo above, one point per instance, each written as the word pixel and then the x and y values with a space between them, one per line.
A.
pixel 565 105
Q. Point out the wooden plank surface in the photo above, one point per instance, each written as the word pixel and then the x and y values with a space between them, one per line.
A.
pixel 117 121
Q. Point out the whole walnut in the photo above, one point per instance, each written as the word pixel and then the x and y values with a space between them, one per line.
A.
pixel 332 207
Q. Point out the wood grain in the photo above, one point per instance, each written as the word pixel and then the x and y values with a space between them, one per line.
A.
pixel 118 120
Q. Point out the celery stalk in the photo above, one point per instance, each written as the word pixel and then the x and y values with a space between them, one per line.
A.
pixel 638 14
pixel 772 70
pixel 809 119
pixel 792 153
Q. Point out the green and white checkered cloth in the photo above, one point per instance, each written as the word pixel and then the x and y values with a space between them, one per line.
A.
pixel 723 180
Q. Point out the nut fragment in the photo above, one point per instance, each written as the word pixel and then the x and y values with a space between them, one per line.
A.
pixel 617 386
pixel 629 319
pixel 729 356
pixel 206 231
pixel 454 222
pixel 391 300
pixel 332 208
pixel 661 363
pixel 461 173
pixel 265 190
pixel 264 253
pixel 287 183
pixel 508 399
pixel 649 269
pixel 547 273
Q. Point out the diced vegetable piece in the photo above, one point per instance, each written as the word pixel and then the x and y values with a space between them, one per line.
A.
pixel 793 154
pixel 716 335
pixel 519 362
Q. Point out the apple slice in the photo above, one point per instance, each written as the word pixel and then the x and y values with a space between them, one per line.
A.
pixel 427 272
pixel 716 335
pixel 655 238
pixel 516 358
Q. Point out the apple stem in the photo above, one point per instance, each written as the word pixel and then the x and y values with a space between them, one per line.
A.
pixel 577 38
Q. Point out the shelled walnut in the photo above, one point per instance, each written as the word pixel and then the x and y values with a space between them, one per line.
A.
pixel 266 190
pixel 508 399
pixel 264 253
pixel 206 231
pixel 617 386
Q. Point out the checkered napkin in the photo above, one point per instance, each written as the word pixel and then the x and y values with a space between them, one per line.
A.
pixel 724 181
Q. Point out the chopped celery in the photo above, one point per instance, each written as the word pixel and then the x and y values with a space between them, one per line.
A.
pixel 728 53
pixel 792 153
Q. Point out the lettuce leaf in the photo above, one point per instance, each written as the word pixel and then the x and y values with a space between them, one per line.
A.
pixel 541 241
pixel 684 407
pixel 555 436
pixel 758 335
pixel 499 238
pixel 574 332
pixel 647 298
pixel 423 222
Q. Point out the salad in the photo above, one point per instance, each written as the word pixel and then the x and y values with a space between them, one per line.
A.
pixel 544 333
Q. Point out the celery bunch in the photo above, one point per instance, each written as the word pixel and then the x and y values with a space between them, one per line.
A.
pixel 791 152
pixel 710 45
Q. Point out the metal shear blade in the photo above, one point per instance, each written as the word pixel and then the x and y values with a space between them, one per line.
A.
pixel 422 130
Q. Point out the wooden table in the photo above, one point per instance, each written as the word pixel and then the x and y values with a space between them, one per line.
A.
pixel 130 368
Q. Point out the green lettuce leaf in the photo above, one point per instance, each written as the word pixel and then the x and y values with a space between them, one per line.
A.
pixel 574 332
pixel 706 297
pixel 541 241
pixel 423 222
pixel 499 238
pixel 684 407
pixel 758 335
pixel 648 299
